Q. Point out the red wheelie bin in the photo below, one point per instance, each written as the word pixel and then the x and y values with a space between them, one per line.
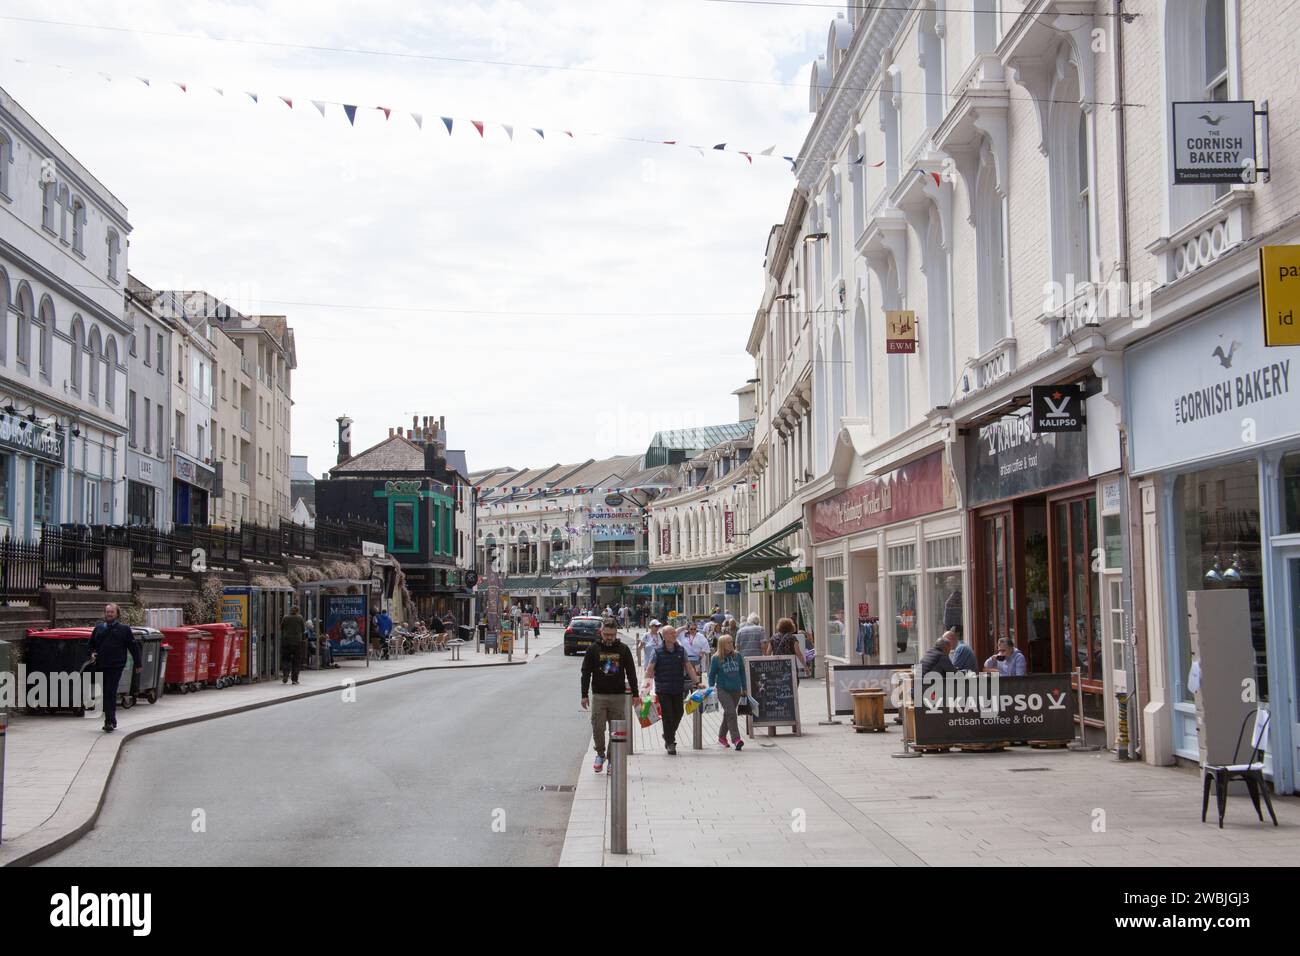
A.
pixel 223 664
pixel 183 663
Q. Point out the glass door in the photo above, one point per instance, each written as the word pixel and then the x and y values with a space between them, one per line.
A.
pixel 996 590
pixel 1291 563
pixel 1076 600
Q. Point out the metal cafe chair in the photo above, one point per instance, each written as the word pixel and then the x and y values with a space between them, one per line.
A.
pixel 1252 772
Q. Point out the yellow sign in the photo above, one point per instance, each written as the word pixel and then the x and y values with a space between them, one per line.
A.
pixel 900 331
pixel 1279 294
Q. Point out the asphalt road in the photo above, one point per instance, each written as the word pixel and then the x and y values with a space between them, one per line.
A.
pixel 435 768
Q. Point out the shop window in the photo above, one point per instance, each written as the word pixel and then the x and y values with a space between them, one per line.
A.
pixel 1291 493
pixel 6 158
pixel 6 464
pixel 903 587
pixel 943 566
pixel 402 526
pixel 43 483
pixel 836 637
pixel 1078 604
pixel 1218 526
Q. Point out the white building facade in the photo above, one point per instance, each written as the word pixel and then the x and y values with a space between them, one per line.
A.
pixel 63 363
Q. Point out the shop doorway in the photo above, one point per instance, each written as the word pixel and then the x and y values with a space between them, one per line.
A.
pixel 1076 608
pixel 1290 561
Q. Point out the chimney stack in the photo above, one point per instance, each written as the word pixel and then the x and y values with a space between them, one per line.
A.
pixel 345 439
pixel 390 432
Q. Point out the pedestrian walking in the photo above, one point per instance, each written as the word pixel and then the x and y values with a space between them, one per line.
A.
pixel 537 626
pixel 751 638
pixel 648 643
pixel 610 672
pixel 786 644
pixel 384 628
pixel 669 670
pixel 697 648
pixel 727 674
pixel 110 643
pixel 293 638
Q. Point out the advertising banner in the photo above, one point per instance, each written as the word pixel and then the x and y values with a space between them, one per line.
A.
pixel 987 708
pixel 851 677
pixel 1007 459
pixel 346 619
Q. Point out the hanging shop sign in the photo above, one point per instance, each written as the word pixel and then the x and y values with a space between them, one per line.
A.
pixel 372 549
pixel 790 581
pixel 193 472
pixel 729 525
pixel 1214 142
pixel 1056 408
pixel 31 438
pixel 1279 294
pixel 917 488
pixel 900 331
pixel 665 541
pixel 1210 389
pixel 1006 459
pixel 733 587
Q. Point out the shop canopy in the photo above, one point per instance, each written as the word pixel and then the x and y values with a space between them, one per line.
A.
pixel 529 584
pixel 764 556
pixel 691 575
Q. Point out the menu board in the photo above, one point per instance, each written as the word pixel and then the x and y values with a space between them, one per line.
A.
pixel 774 684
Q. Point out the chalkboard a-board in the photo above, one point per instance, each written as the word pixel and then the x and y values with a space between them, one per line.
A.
pixel 774 683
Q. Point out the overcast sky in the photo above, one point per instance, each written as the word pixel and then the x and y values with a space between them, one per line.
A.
pixel 555 300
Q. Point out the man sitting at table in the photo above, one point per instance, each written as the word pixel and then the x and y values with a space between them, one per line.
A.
pixel 1008 661
pixel 936 659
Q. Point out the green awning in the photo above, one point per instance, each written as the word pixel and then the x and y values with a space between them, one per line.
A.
pixel 689 575
pixel 767 554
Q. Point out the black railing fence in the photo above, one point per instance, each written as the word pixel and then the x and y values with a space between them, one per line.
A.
pixel 73 555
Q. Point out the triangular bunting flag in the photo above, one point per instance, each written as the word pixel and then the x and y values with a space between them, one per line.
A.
pixel 319 105
pixel 143 80
pixel 478 126
pixel 351 113
pixel 768 152
pixel 877 165
pixel 858 161
pixel 698 150
pixel 419 120
pixel 182 86
pixel 385 110
pixel 286 101
pixel 447 121
pixel 670 142
pixel 937 180
pixel 790 160
pixel 721 146
pixel 568 133
pixel 220 91
pixel 510 131
pixel 747 156
pixel 539 132
pixel 253 95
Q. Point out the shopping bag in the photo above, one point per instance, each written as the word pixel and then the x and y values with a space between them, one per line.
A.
pixel 649 713
pixel 695 700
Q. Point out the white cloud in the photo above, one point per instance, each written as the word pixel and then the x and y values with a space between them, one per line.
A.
pixel 274 206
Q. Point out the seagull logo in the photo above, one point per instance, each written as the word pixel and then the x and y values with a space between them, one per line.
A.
pixel 1226 360
pixel 1211 118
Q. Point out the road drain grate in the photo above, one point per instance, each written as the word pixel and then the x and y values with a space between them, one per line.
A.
pixel 557 788
pixel 1027 769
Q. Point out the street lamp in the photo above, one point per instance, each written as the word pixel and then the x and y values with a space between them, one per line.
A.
pixel 816 236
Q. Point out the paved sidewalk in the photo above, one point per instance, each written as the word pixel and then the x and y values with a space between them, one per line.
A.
pixel 57 768
pixel 836 797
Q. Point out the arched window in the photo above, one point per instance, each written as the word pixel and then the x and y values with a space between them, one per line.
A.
pixel 1200 58
pixel 49 205
pixel 837 386
pixel 4 316
pixel 45 336
pixel 26 316
pixel 990 245
pixel 96 351
pixel 1070 173
pixel 937 277
pixel 861 363
pixel 110 377
pixel 78 351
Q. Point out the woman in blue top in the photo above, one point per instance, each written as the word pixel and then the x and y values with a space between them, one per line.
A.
pixel 727 674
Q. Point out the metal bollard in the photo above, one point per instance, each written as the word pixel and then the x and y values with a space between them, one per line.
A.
pixel 697 728
pixel 618 741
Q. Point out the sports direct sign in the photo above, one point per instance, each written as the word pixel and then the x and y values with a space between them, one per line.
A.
pixel 987 708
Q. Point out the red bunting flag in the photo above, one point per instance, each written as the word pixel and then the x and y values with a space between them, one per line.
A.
pixel 747 156
pixel 478 126
pixel 182 86
pixel 385 110
pixel 286 101
pixel 938 181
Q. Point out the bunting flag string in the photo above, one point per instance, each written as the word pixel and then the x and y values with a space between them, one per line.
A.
pixel 480 126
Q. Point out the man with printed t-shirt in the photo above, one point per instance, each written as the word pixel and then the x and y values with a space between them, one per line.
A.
pixel 610 672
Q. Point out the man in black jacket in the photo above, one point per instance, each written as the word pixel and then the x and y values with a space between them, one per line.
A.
pixel 937 659
pixel 610 671
pixel 110 643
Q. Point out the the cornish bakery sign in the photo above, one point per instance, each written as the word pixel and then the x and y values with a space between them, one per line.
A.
pixel 30 438
pixel 1210 389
